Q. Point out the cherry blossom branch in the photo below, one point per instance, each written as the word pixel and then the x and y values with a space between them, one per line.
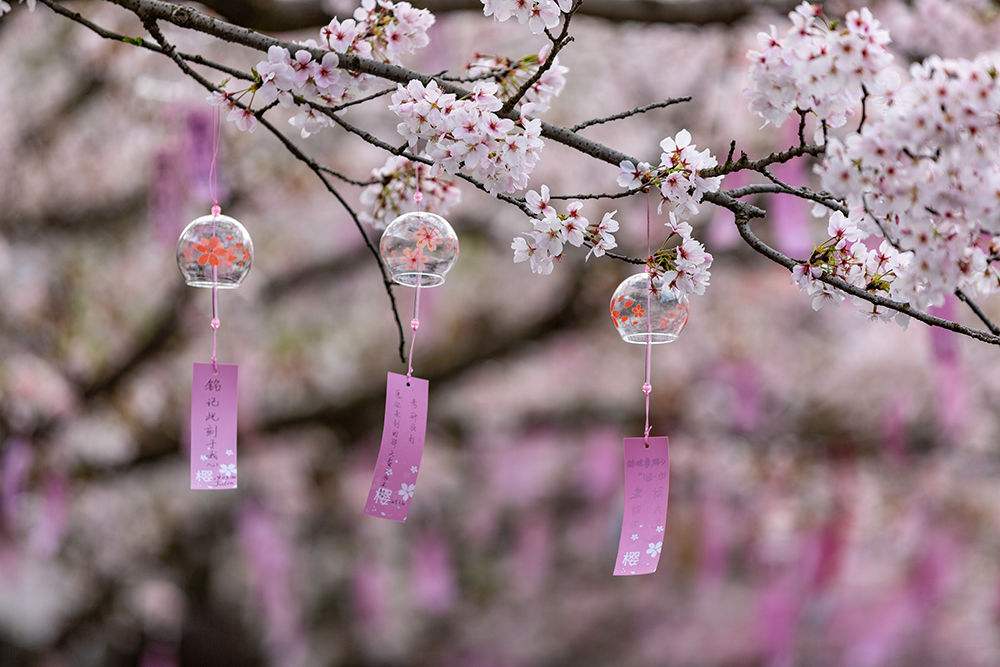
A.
pixel 631 112
pixel 558 43
pixel 743 225
pixel 188 18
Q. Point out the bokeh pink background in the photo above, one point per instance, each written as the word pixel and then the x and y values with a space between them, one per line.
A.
pixel 835 484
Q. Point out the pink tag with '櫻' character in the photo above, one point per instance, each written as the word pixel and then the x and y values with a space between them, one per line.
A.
pixel 647 483
pixel 213 427
pixel 405 425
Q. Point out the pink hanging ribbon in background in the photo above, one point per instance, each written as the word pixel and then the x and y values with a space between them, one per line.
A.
pixel 647 387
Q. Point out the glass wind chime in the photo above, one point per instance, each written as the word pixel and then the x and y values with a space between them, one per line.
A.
pixel 645 313
pixel 214 252
pixel 419 249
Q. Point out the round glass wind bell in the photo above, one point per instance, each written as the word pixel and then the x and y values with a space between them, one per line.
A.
pixel 643 313
pixel 418 249
pixel 215 251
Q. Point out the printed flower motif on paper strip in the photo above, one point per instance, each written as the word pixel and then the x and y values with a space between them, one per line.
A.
pixel 211 251
pixel 654 548
pixel 383 496
pixel 631 558
pixel 227 469
pixel 634 537
pixel 413 469
pixel 406 491
pixel 203 476
pixel 659 529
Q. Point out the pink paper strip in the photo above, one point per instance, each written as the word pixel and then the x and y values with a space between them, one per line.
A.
pixel 395 477
pixel 213 427
pixel 647 483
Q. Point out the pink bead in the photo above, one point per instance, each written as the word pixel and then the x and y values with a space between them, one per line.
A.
pixel 647 389
pixel 216 210
pixel 215 323
pixel 414 324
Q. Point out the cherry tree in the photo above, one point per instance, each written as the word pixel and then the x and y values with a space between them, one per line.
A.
pixel 904 158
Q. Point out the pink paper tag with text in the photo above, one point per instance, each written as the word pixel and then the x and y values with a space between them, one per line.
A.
pixel 213 427
pixel 647 484
pixel 403 431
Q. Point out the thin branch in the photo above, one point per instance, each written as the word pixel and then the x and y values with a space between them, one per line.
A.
pixel 979 312
pixel 779 157
pixel 558 43
pixel 631 112
pixel 825 199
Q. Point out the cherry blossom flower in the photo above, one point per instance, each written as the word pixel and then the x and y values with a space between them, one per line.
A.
pixel 678 176
pixel 243 118
pixel 539 15
pixel 539 203
pixel 601 235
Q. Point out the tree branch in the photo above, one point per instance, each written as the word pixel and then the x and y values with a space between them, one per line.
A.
pixel 743 225
pixel 631 112
pixel 288 15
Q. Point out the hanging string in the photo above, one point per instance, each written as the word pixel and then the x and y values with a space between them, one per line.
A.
pixel 414 326
pixel 213 176
pixel 216 322
pixel 647 387
pixel 213 191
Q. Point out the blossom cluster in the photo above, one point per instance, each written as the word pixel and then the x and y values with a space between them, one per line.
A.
pixel 540 15
pixel 924 173
pixel 467 134
pixel 817 65
pixel 845 255
pixel 403 186
pixel 678 176
pixel 682 269
pixel 510 75
pixel 380 30
pixel 552 230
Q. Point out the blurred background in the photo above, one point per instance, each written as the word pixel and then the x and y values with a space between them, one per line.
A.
pixel 835 484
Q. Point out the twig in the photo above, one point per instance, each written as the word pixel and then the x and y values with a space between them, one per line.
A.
pixel 979 312
pixel 631 112
pixel 558 43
